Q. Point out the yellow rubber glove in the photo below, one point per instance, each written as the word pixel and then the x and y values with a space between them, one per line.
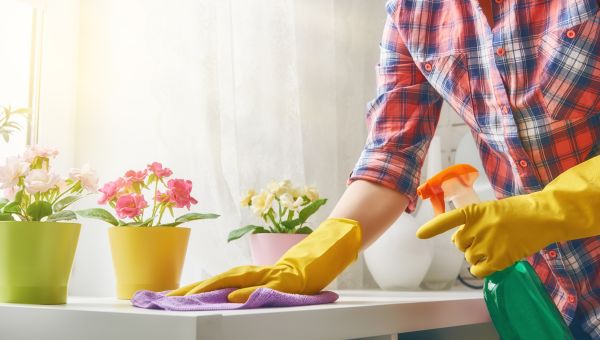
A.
pixel 305 268
pixel 496 234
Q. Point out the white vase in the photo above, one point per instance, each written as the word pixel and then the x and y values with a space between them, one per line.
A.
pixel 398 260
pixel 446 263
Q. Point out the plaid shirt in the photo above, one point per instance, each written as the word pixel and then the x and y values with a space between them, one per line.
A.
pixel 529 90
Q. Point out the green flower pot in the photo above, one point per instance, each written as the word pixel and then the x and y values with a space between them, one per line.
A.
pixel 36 260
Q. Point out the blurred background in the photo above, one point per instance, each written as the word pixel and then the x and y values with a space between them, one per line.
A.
pixel 229 93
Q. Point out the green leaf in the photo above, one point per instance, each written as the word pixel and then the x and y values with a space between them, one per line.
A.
pixel 187 218
pixel 291 224
pixel 261 230
pixel 195 216
pixel 65 215
pixel 237 233
pixel 39 209
pixel 99 214
pixel 310 209
pixel 151 179
pixel 3 202
pixel 65 202
pixel 303 230
pixel 22 110
pixel 19 196
pixel 6 217
pixel 147 222
pixel 12 207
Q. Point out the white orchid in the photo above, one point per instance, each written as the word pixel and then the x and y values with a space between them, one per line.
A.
pixel 258 203
pixel 280 188
pixel 284 208
pixel 40 180
pixel 268 203
pixel 12 171
pixel 311 193
pixel 288 202
pixel 247 199
pixel 87 177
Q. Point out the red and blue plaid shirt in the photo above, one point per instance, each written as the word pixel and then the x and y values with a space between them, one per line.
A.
pixel 529 90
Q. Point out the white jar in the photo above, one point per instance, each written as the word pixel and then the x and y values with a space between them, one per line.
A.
pixel 398 260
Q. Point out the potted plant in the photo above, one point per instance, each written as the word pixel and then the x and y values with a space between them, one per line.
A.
pixel 9 123
pixel 148 252
pixel 284 211
pixel 36 246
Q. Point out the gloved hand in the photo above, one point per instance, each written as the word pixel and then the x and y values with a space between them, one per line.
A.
pixel 305 268
pixel 496 234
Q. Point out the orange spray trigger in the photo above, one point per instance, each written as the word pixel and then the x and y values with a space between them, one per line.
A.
pixel 447 184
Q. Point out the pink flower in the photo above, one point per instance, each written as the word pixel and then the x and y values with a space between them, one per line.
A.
pixel 133 176
pixel 110 190
pixel 158 170
pixel 179 191
pixel 130 205
pixel 162 197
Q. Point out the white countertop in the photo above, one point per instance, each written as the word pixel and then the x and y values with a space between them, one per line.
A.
pixel 358 313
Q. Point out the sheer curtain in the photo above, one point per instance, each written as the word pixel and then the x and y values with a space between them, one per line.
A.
pixel 228 93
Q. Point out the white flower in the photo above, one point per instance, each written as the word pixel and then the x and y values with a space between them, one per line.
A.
pixel 40 180
pixel 261 203
pixel 295 192
pixel 258 203
pixel 311 193
pixel 87 176
pixel 11 172
pixel 247 199
pixel 280 188
pixel 287 201
pixel 39 151
pixel 268 202
pixel 10 193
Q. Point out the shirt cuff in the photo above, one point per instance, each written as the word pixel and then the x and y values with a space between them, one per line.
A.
pixel 391 170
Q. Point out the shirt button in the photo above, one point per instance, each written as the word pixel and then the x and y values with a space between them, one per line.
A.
pixel 504 109
pixel 523 163
pixel 570 34
pixel 500 51
pixel 498 1
pixel 571 298
pixel 428 67
pixel 552 254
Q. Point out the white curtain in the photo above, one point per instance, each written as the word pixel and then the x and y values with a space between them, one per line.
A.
pixel 228 93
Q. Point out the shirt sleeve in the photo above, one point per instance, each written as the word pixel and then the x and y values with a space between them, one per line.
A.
pixel 401 120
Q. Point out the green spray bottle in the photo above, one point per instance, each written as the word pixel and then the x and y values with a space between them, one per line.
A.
pixel 518 303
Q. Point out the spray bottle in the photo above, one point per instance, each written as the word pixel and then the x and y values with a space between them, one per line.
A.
pixel 518 303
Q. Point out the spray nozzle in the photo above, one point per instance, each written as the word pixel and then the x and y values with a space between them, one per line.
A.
pixel 448 184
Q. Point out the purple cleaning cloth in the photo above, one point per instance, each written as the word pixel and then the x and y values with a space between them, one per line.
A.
pixel 217 300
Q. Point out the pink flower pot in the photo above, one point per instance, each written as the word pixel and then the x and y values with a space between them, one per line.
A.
pixel 267 248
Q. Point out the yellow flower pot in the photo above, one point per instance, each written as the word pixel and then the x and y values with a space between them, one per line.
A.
pixel 147 258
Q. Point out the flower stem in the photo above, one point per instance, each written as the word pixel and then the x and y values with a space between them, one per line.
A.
pixel 154 205
pixel 272 218
pixel 162 211
pixel 64 192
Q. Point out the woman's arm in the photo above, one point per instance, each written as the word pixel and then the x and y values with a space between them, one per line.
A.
pixel 374 206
